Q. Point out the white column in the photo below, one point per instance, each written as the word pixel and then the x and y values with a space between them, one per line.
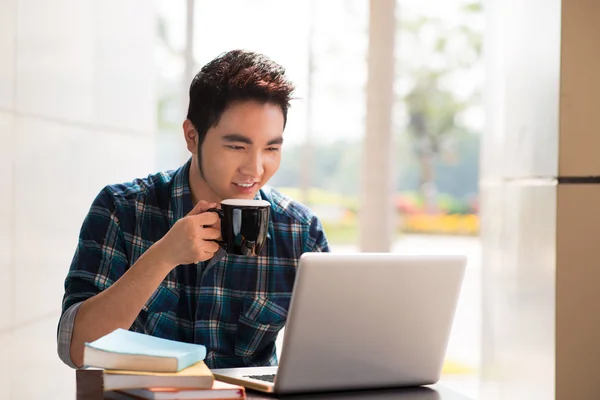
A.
pixel 189 65
pixel 377 220
pixel 308 150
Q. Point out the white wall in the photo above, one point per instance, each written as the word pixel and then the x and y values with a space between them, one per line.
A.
pixel 77 112
pixel 541 281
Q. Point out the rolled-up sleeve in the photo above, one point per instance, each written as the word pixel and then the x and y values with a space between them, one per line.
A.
pixel 100 259
pixel 65 333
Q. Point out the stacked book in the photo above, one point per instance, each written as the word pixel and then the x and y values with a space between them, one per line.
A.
pixel 148 367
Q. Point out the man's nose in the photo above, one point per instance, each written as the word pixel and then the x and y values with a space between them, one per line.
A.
pixel 253 166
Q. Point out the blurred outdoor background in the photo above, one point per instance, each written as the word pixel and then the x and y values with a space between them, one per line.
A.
pixel 438 114
pixel 93 94
pixel 437 119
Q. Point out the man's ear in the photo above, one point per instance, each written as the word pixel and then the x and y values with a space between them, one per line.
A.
pixel 191 136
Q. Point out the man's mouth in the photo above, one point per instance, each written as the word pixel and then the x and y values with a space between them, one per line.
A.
pixel 245 185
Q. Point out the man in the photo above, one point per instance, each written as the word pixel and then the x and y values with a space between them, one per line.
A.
pixel 146 259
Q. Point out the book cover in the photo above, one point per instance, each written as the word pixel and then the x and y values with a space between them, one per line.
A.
pixel 197 376
pixel 126 350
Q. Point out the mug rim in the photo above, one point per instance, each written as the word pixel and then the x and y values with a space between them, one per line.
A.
pixel 245 203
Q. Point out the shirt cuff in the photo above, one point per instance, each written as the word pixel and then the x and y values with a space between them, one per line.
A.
pixel 65 333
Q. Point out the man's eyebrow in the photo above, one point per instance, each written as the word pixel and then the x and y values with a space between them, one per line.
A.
pixel 278 140
pixel 236 137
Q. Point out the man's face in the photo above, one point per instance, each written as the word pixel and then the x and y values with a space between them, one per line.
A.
pixel 243 151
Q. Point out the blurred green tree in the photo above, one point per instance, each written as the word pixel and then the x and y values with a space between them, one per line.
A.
pixel 436 57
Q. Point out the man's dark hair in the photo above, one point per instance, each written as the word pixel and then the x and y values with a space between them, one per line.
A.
pixel 232 76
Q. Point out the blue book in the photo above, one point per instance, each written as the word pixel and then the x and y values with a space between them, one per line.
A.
pixel 133 351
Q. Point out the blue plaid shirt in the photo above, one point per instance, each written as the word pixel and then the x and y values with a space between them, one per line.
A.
pixel 234 305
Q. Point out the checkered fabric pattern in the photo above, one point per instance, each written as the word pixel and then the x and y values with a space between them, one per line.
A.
pixel 234 305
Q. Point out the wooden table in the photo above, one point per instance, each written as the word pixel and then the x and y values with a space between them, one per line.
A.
pixel 89 387
pixel 435 392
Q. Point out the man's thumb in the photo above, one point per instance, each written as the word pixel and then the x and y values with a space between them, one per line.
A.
pixel 202 206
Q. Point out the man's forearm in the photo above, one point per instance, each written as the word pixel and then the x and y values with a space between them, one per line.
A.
pixel 119 305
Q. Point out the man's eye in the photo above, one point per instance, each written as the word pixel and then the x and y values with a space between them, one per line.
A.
pixel 272 148
pixel 235 147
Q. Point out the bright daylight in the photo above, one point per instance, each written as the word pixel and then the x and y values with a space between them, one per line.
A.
pixel 261 199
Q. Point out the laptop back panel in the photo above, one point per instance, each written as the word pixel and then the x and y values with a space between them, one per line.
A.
pixel 368 320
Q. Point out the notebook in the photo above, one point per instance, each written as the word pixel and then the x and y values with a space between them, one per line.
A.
pixel 197 376
pixel 133 351
pixel 219 390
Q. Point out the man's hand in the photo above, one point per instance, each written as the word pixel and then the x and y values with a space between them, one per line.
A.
pixel 190 240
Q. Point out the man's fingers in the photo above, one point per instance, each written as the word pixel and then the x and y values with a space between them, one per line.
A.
pixel 211 234
pixel 206 218
pixel 211 247
pixel 201 207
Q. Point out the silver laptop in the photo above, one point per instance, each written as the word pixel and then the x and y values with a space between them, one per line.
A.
pixel 360 321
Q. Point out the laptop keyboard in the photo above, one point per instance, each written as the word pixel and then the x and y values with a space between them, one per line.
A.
pixel 266 378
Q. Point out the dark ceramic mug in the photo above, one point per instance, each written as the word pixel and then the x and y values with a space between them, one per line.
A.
pixel 244 225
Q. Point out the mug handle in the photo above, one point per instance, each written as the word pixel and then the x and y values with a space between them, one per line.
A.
pixel 221 214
